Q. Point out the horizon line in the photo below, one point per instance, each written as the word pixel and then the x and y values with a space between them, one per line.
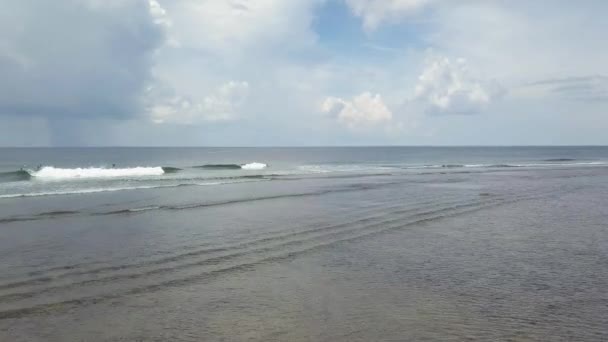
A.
pixel 298 146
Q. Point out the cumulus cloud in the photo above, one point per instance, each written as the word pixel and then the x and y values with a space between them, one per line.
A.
pixel 362 111
pixel 449 87
pixel 236 39
pixel 375 12
pixel 72 64
pixel 221 105
pixel 81 58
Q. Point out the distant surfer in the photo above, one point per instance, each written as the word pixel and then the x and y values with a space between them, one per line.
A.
pixel 113 166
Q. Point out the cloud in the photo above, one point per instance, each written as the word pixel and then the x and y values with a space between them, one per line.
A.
pixel 363 111
pixel 222 105
pixel 582 88
pixel 521 41
pixel 376 12
pixel 255 40
pixel 222 27
pixel 78 68
pixel 78 59
pixel 159 14
pixel 447 87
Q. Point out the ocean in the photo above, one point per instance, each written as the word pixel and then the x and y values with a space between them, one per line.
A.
pixel 304 244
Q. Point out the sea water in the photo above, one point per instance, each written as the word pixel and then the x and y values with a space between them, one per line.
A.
pixel 300 244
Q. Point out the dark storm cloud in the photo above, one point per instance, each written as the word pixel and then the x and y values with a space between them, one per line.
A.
pixel 75 58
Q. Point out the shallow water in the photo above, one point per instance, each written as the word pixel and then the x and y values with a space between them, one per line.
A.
pixel 368 249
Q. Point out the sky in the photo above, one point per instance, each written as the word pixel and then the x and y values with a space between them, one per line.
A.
pixel 303 72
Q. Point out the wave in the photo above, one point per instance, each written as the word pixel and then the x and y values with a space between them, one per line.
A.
pixel 564 163
pixel 50 172
pixel 450 166
pixel 219 167
pixel 177 270
pixel 46 215
pixel 371 167
pixel 206 182
pixel 457 166
pixel 331 168
pixel 170 169
pixel 541 165
pixel 559 159
pixel 138 210
pixel 249 166
pixel 14 176
pixel 504 165
pixel 77 191
pixel 254 166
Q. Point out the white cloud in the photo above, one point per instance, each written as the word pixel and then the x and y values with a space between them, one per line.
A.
pixel 223 27
pixel 233 39
pixel 524 41
pixel 452 88
pixel 362 111
pixel 95 63
pixel 222 105
pixel 375 12
pixel 158 13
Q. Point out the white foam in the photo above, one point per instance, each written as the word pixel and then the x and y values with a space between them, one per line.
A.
pixel 313 169
pixel 254 166
pixel 595 163
pixel 136 210
pixel 97 190
pixel 344 168
pixel 592 163
pixel 50 172
pixel 75 192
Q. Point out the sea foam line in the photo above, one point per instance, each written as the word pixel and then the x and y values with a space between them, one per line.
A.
pixel 98 190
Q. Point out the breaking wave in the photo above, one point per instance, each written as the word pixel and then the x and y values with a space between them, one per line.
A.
pixel 254 166
pixel 249 166
pixel 50 172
